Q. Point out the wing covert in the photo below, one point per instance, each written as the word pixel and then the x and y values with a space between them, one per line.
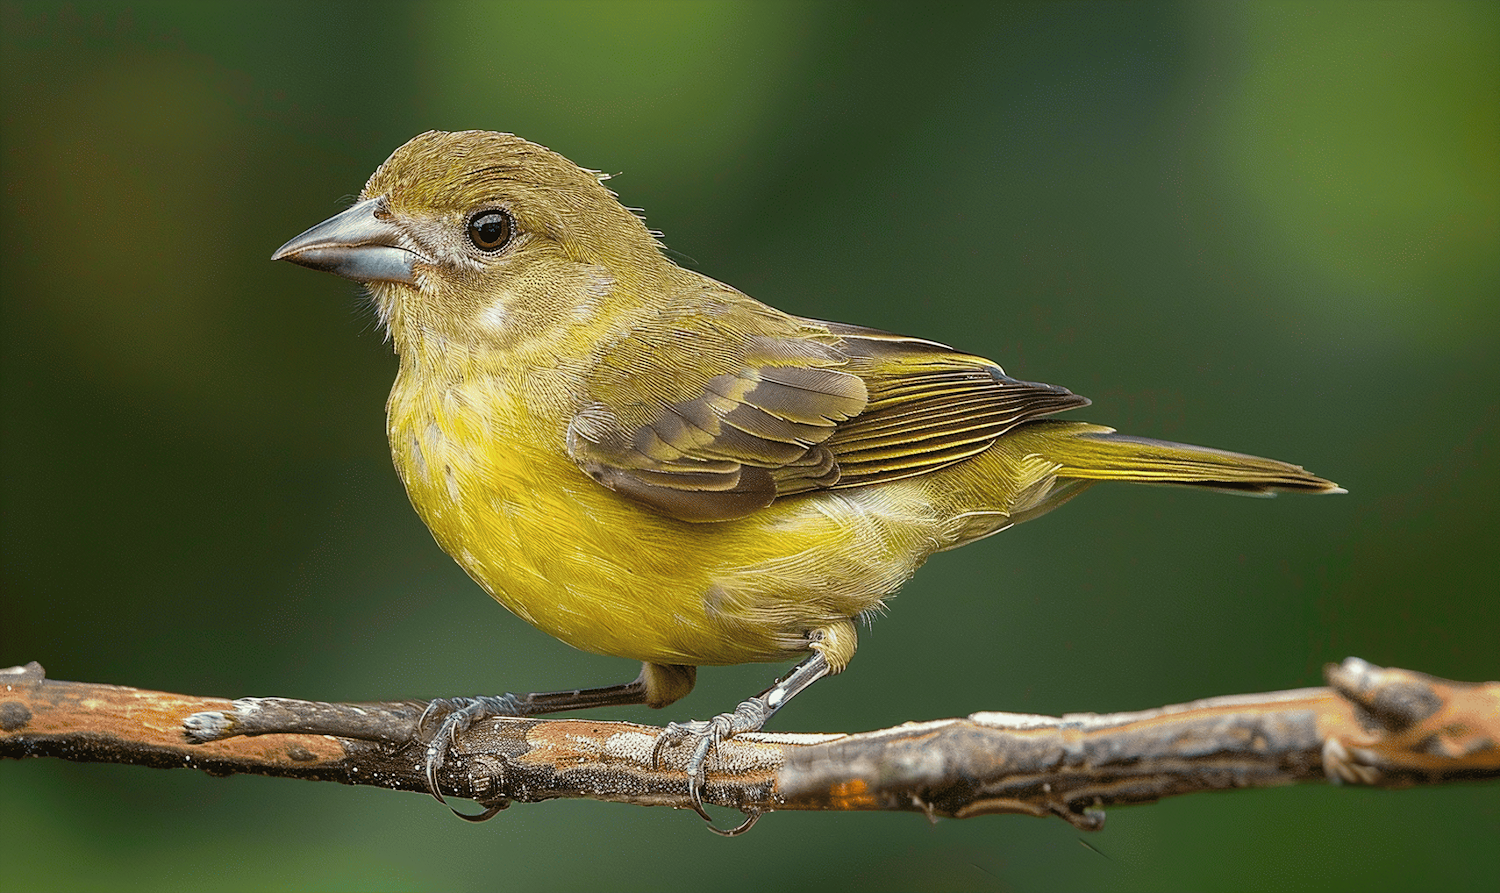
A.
pixel 707 413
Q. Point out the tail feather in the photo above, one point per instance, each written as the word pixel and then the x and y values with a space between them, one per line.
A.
pixel 1095 453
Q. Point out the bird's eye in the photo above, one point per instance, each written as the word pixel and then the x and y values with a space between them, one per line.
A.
pixel 490 230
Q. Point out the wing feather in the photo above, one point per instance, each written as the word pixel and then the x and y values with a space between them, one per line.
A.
pixel 710 413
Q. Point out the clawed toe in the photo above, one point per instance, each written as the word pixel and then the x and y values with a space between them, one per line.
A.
pixel 705 735
pixel 456 715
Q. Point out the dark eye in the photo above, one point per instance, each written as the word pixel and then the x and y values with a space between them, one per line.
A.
pixel 490 230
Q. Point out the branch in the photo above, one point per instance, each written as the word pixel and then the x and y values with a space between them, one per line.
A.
pixel 1374 726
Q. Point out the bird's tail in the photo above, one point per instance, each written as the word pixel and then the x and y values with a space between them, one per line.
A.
pixel 1086 452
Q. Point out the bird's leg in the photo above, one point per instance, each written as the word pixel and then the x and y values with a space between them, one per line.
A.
pixel 832 647
pixel 657 686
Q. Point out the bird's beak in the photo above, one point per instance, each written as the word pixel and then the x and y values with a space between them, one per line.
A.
pixel 356 245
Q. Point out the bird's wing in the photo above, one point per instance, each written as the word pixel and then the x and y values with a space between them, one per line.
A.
pixel 714 411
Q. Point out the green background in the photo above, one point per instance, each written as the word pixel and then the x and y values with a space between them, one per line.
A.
pixel 1268 227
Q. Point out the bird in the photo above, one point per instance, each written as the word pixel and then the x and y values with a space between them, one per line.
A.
pixel 646 463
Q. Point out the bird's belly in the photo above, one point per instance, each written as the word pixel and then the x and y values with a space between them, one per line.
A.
pixel 607 575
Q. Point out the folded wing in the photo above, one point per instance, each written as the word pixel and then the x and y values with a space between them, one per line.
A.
pixel 709 415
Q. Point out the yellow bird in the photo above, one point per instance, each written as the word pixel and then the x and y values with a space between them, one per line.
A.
pixel 644 462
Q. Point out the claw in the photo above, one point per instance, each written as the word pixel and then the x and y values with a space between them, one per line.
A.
pixel 751 817
pixel 749 716
pixel 458 714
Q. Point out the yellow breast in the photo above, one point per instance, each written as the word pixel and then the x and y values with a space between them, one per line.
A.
pixel 491 478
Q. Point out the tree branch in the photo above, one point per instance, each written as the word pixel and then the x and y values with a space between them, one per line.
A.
pixel 1374 726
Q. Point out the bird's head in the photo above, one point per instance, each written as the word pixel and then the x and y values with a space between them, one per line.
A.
pixel 477 239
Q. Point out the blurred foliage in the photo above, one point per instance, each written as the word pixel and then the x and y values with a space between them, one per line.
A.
pixel 1366 138
pixel 1272 227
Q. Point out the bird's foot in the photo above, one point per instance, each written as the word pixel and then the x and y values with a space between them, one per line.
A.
pixel 705 735
pixel 452 716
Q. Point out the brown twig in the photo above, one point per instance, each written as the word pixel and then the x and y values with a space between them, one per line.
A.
pixel 1374 726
